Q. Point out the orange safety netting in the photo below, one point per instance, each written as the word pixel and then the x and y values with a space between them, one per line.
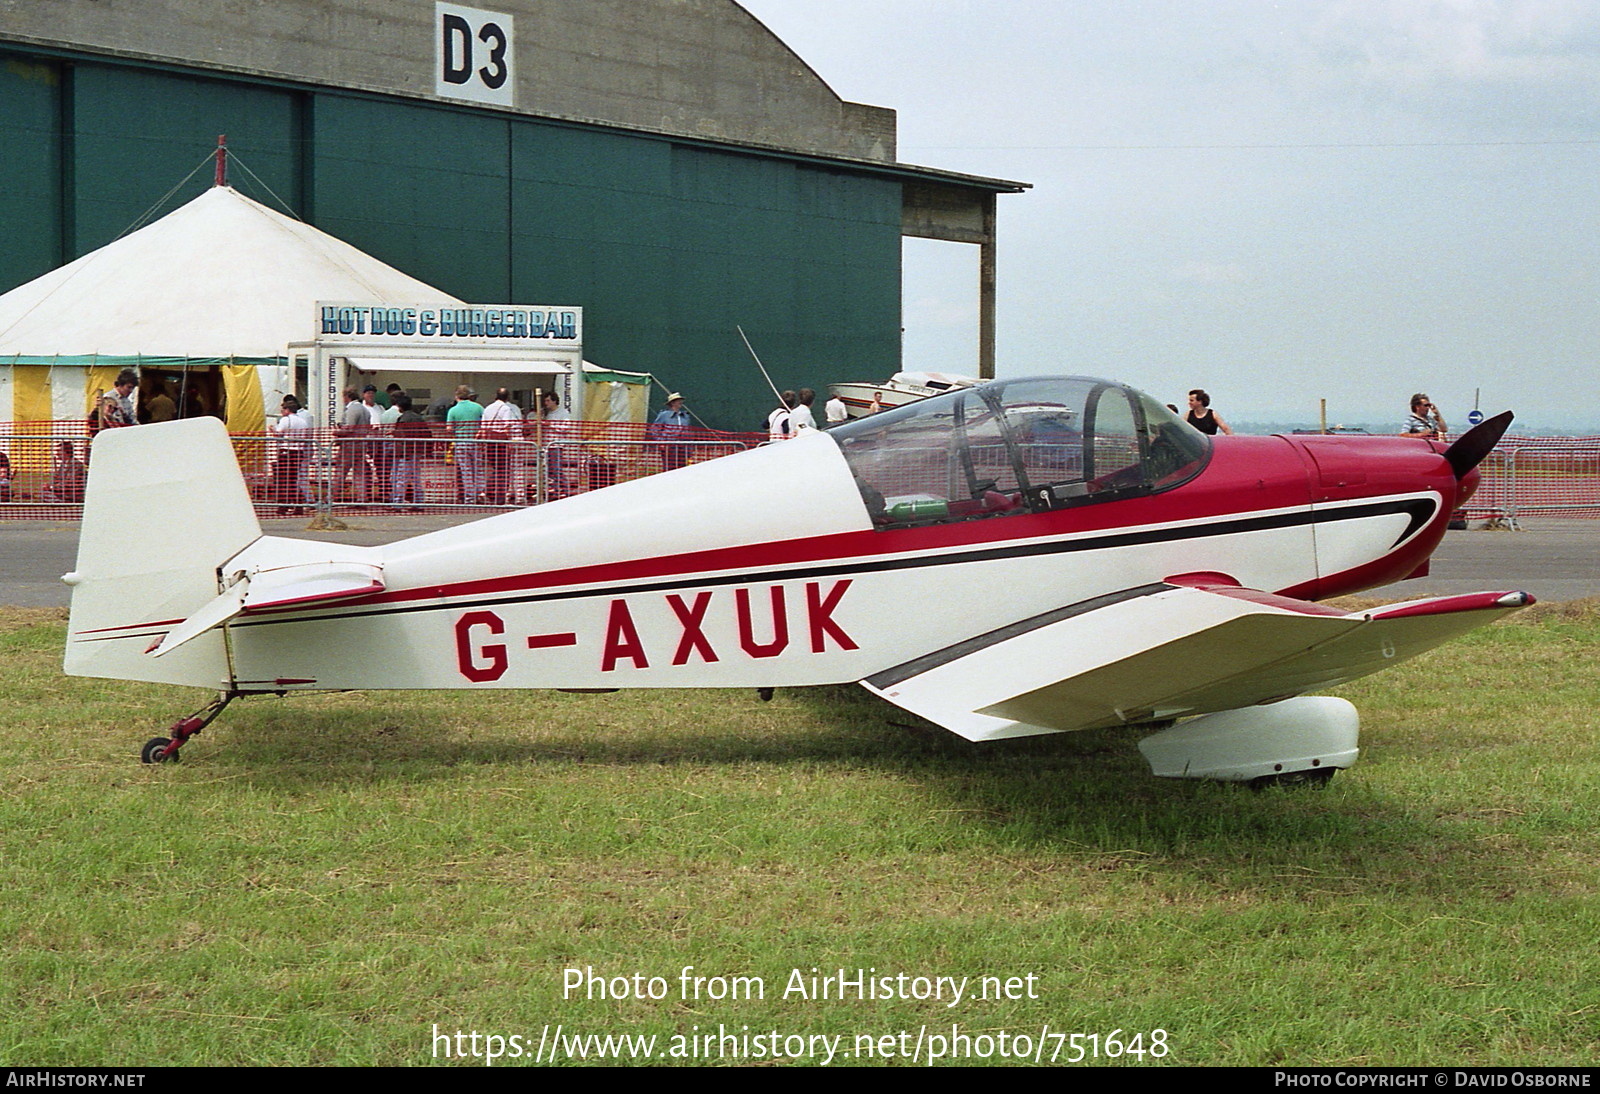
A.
pixel 43 466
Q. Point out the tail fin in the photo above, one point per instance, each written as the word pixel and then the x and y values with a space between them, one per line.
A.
pixel 165 506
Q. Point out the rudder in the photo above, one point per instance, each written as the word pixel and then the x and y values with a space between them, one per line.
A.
pixel 165 506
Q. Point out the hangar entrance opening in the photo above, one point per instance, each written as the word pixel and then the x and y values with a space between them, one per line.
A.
pixel 957 211
pixel 939 308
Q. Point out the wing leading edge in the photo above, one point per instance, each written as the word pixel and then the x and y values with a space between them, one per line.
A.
pixel 1165 651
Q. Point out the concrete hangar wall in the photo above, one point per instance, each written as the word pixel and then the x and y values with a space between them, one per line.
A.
pixel 668 165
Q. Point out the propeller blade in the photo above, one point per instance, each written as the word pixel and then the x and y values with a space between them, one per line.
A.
pixel 1476 443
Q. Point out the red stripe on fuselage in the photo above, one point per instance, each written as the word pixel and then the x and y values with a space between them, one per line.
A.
pixel 1247 476
pixel 751 558
pixel 127 626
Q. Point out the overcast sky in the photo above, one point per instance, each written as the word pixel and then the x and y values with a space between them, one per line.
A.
pixel 1279 202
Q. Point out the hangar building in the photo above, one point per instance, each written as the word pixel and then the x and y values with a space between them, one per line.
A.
pixel 668 166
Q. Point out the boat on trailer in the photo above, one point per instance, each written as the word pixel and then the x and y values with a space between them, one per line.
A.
pixel 898 390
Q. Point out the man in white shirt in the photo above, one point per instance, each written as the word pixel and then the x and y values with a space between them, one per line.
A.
pixel 379 451
pixel 500 429
pixel 354 430
pixel 552 426
pixel 800 417
pixel 293 433
pixel 836 411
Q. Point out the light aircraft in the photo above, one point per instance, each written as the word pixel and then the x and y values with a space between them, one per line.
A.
pixel 1028 556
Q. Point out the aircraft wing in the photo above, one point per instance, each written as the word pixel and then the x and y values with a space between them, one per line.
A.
pixel 1165 651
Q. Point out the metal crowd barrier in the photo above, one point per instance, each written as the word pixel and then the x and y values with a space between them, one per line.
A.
pixel 1538 475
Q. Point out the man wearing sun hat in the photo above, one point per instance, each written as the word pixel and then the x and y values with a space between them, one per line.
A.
pixel 672 424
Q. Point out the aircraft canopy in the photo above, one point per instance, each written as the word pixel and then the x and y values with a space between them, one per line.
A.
pixel 1017 446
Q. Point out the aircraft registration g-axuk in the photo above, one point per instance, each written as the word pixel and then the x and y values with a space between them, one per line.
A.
pixel 1029 556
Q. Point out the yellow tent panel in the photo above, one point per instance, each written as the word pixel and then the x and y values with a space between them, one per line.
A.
pixel 30 393
pixel 246 414
pixel 30 406
pixel 609 401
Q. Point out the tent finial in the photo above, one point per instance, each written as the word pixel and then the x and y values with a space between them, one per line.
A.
pixel 222 159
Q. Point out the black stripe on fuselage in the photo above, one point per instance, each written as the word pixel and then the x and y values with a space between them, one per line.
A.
pixel 1420 509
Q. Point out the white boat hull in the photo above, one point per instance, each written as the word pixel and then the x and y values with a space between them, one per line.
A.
pixel 898 390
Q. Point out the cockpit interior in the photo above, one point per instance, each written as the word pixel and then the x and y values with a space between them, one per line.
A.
pixel 1017 446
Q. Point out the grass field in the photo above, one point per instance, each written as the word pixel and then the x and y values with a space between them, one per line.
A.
pixel 334 879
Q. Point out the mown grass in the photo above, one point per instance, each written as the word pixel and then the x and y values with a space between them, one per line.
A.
pixel 324 879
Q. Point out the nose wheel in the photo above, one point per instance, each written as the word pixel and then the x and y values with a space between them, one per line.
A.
pixel 164 750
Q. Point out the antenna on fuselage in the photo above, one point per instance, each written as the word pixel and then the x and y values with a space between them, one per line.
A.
pixel 762 367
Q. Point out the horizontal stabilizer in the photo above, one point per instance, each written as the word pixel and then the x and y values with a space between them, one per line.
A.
pixel 213 615
pixel 1161 652
pixel 311 583
pixel 294 585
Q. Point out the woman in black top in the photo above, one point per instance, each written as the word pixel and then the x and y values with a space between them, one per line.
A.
pixel 1202 417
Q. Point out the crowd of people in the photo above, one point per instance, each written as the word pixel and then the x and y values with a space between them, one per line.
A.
pixel 160 402
pixel 382 441
pixel 794 414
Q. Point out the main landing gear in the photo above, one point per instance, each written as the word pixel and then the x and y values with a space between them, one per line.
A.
pixel 1317 776
pixel 1293 742
pixel 159 750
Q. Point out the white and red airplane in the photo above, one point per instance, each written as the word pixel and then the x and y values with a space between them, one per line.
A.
pixel 1030 556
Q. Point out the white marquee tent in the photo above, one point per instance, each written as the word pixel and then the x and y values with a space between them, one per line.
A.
pixel 221 285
